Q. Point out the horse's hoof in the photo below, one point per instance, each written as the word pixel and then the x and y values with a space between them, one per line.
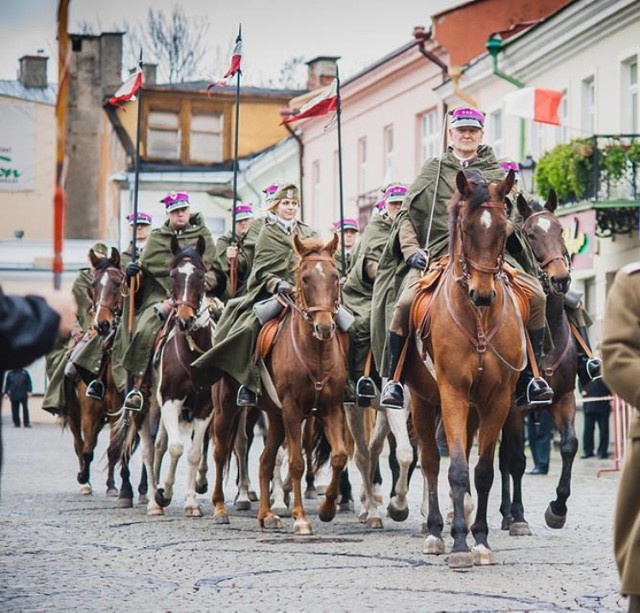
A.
pixel 483 556
pixel 220 518
pixel 272 522
pixel 519 528
pixel 124 503
pixel 460 559
pixel 160 499
pixel 242 505
pixel 363 517
pixel 193 511
pixel 397 514
pixel 375 523
pixel 86 489
pixel 155 511
pixel 112 492
pixel 143 499
pixel 253 497
pixel 311 493
pixel 302 527
pixel 346 507
pixel 506 522
pixel 281 511
pixel 326 512
pixel 201 488
pixel 433 546
pixel 554 521
pixel 82 479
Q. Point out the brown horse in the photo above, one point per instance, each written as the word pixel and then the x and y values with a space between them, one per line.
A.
pixel 476 343
pixel 543 232
pixel 87 416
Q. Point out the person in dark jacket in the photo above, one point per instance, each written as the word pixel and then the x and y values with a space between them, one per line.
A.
pixel 596 412
pixel 18 388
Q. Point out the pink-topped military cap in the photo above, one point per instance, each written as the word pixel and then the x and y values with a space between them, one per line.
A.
pixel 270 191
pixel 348 223
pixel 139 220
pixel 175 200
pixel 508 165
pixel 243 211
pixel 466 117
pixel 395 192
pixel 381 204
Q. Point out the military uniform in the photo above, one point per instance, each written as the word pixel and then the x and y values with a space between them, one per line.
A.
pixel 621 371
pixel 238 327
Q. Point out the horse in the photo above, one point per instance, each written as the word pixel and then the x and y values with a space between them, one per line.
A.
pixel 475 339
pixel 543 232
pixel 87 415
pixel 191 334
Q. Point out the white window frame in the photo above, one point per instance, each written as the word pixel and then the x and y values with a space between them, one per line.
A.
pixel 428 127
pixel 362 165
pixel 389 154
pixel 629 116
pixel 215 131
pixel 588 99
pixel 158 126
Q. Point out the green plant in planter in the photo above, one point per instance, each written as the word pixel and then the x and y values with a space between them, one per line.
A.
pixel 615 162
pixel 633 153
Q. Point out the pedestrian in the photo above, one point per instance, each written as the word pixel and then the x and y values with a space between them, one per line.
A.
pixel 540 431
pixel 621 371
pixel 596 412
pixel 18 388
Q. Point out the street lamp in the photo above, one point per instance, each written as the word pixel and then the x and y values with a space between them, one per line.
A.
pixel 527 169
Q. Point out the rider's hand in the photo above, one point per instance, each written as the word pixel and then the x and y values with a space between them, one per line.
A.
pixel 132 269
pixel 232 252
pixel 418 260
pixel 284 287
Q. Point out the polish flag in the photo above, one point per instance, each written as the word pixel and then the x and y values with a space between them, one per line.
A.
pixel 541 105
pixel 322 104
pixel 127 90
pixel 235 59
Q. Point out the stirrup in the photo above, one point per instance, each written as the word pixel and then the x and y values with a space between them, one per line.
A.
pixel 542 401
pixel 245 397
pixel 365 388
pixel 134 401
pixel 95 390
pixel 392 396
pixel 593 368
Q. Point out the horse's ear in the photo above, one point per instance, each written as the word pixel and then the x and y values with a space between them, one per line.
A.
pixel 332 246
pixel 201 246
pixel 298 245
pixel 93 259
pixel 115 257
pixel 175 245
pixel 523 206
pixel 509 206
pixel 462 184
pixel 505 186
pixel 552 201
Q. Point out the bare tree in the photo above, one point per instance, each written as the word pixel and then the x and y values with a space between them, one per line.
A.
pixel 292 74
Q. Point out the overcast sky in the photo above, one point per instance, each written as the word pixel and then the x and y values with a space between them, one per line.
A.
pixel 360 31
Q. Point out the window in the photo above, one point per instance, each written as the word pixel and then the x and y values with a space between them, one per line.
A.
pixel 163 137
pixel 589 105
pixel 389 171
pixel 362 165
pixel 495 132
pixel 537 139
pixel 629 96
pixel 429 135
pixel 315 193
pixel 205 144
pixel 562 131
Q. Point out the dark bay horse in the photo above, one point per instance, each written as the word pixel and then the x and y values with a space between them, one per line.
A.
pixel 543 232
pixel 477 345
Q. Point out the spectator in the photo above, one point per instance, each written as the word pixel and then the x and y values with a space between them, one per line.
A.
pixel 540 431
pixel 596 412
pixel 18 388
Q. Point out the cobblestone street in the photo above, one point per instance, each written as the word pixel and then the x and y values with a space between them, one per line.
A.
pixel 64 551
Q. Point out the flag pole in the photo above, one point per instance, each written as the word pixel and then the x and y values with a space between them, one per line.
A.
pixel 234 238
pixel 339 115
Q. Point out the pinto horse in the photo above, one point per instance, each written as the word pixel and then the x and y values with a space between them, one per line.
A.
pixel 476 342
pixel 543 232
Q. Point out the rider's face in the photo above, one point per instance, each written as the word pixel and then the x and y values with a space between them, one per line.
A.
pixel 179 219
pixel 287 209
pixel 465 141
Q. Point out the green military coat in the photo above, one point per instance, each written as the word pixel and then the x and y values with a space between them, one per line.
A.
pixel 238 327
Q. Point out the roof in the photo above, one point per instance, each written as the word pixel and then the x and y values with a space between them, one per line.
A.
pixel 383 60
pixel 247 90
pixel 42 95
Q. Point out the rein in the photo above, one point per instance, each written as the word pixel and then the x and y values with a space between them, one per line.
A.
pixel 300 304
pixel 115 310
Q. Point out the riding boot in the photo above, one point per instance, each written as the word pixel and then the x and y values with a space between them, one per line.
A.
pixel 134 400
pixel 246 398
pixel 95 390
pixel 365 391
pixel 589 368
pixel 392 396
pixel 530 390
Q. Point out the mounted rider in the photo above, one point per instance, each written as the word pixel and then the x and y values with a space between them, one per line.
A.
pixel 272 274
pixel 351 232
pixel 141 225
pixel 154 287
pixel 421 232
pixel 357 292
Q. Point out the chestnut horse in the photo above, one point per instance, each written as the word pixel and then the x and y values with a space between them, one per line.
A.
pixel 543 232
pixel 477 345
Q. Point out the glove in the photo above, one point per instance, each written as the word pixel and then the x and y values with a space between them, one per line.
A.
pixel 284 287
pixel 418 260
pixel 132 269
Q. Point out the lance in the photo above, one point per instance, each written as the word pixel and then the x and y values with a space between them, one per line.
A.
pixel 339 117
pixel 233 262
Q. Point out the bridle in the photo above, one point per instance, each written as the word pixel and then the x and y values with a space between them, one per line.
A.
pixel 185 301
pixel 116 309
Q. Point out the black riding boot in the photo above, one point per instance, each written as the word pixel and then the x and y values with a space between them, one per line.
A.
pixel 532 391
pixel 246 398
pixel 589 368
pixel 95 390
pixel 392 396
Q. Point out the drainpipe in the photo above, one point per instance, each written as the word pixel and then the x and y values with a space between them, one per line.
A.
pixel 494 46
pixel 301 162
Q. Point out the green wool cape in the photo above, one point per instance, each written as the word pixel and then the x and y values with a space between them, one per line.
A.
pixel 238 327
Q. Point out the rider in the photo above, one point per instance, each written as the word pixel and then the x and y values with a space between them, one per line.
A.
pixel 142 227
pixel 272 273
pixel 351 232
pixel 152 272
pixel 405 256
pixel 358 289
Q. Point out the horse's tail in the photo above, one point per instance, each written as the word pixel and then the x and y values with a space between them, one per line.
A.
pixel 126 438
pixel 321 447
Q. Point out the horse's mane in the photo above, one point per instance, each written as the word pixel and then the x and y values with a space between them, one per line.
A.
pixel 187 252
pixel 313 245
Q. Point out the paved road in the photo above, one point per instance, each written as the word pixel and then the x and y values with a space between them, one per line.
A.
pixel 60 550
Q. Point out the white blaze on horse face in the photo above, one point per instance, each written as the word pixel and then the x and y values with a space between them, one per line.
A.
pixel 544 224
pixel 187 270
pixel 104 279
pixel 320 269
pixel 485 219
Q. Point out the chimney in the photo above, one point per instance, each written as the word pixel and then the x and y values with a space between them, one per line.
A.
pixel 321 71
pixel 149 73
pixel 33 70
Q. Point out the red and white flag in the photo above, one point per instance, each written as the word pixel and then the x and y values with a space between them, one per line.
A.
pixel 235 59
pixel 541 105
pixel 323 103
pixel 127 91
